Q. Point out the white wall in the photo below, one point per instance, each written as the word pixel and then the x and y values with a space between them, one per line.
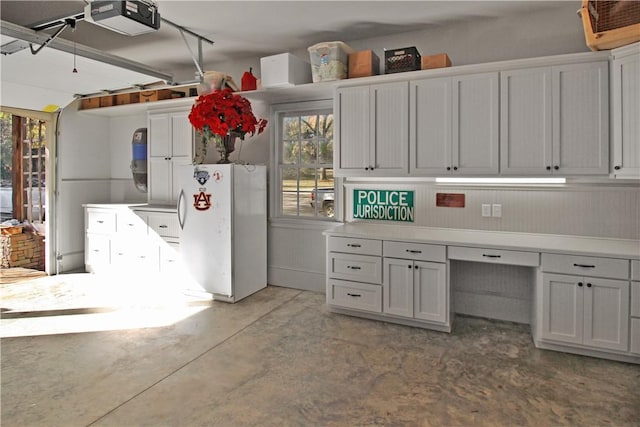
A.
pixel 83 176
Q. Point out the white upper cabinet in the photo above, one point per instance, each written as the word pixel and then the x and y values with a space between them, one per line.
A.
pixel 170 145
pixel 555 120
pixel 372 130
pixel 625 110
pixel 525 121
pixel 581 128
pixel 454 125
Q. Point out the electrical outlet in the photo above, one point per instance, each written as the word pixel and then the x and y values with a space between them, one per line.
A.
pixel 496 210
pixel 486 210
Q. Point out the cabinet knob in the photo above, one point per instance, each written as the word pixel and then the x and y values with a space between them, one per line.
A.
pixel 366 168
pixel 548 168
pixel 617 168
pixel 580 284
pixel 409 266
pixel 455 168
pixel 415 266
pixel 448 168
pixel 556 167
pixel 588 285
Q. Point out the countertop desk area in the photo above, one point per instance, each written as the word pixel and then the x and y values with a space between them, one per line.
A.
pixel 585 296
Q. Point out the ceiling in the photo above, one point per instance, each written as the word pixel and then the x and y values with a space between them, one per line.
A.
pixel 243 29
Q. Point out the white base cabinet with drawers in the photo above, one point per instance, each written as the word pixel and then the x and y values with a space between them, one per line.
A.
pixel 389 280
pixel 635 307
pixel 131 239
pixel 583 304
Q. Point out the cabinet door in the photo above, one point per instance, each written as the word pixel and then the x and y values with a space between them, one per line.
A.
pixel 475 124
pixel 351 112
pixel 158 176
pixel 430 127
pixel 430 292
pixel 159 136
pixel 174 177
pixel 581 118
pixel 181 135
pixel 625 113
pixel 397 287
pixel 562 306
pixel 525 121
pixel 606 313
pixel 389 129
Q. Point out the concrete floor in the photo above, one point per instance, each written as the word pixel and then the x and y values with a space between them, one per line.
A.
pixel 78 355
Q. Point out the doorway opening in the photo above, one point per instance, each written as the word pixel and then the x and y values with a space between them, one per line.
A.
pixel 23 200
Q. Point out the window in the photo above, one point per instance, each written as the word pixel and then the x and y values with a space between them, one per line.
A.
pixel 304 152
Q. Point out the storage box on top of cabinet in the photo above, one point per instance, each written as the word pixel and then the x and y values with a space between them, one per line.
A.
pixel 329 61
pixel 401 60
pixel 284 70
pixel 610 24
pixel 364 63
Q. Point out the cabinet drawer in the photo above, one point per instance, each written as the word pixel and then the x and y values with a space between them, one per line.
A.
pixel 164 224
pixel 361 296
pixel 586 266
pixel 417 251
pixel 97 250
pixel 635 270
pixel 130 223
pixel 496 256
pixel 635 299
pixel 354 246
pixel 635 336
pixel 360 268
pixel 101 221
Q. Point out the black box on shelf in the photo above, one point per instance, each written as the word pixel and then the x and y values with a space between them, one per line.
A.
pixel 400 60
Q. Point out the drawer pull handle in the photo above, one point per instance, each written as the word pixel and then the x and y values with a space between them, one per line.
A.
pixel 163 226
pixel 354 295
pixel 353 245
pixel 491 256
pixel 412 251
pixel 100 221
pixel 96 250
pixel 353 267
pixel 584 265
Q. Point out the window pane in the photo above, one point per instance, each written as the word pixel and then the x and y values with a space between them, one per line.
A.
pixel 307 187
pixel 325 151
pixel 290 128
pixel 308 126
pixel 325 126
pixel 326 193
pixel 290 152
pixel 289 191
pixel 308 153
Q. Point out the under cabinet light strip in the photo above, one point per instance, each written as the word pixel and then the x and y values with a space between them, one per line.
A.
pixel 543 181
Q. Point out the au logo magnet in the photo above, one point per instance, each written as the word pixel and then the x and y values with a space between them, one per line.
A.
pixel 202 201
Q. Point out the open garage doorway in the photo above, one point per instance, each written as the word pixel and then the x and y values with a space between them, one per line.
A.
pixel 23 199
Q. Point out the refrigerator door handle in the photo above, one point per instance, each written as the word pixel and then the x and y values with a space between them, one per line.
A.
pixel 178 208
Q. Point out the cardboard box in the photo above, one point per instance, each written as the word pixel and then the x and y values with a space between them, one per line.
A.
pixel 127 98
pixel 107 101
pixel 440 60
pixel 88 103
pixel 363 64
pixel 284 70
pixel 155 95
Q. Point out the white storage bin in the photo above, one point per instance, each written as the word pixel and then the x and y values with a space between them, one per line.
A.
pixel 329 61
pixel 284 70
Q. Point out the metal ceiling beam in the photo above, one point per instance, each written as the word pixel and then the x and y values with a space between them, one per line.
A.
pixel 18 32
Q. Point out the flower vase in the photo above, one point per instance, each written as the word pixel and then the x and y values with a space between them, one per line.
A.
pixel 225 146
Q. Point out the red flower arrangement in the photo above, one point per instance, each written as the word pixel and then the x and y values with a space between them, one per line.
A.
pixel 221 115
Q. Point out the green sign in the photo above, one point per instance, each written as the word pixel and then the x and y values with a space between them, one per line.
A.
pixel 384 205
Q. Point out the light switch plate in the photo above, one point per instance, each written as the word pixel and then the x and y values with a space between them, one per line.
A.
pixel 486 210
pixel 496 210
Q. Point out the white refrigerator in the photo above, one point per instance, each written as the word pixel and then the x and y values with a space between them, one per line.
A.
pixel 222 211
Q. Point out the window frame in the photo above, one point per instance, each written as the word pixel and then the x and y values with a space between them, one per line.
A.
pixel 278 111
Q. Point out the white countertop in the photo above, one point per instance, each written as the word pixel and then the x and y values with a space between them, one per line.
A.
pixel 534 242
pixel 133 206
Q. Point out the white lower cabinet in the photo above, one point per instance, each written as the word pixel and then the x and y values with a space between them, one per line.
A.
pixel 364 275
pixel 131 240
pixel 584 310
pixel 415 289
pixel 635 308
